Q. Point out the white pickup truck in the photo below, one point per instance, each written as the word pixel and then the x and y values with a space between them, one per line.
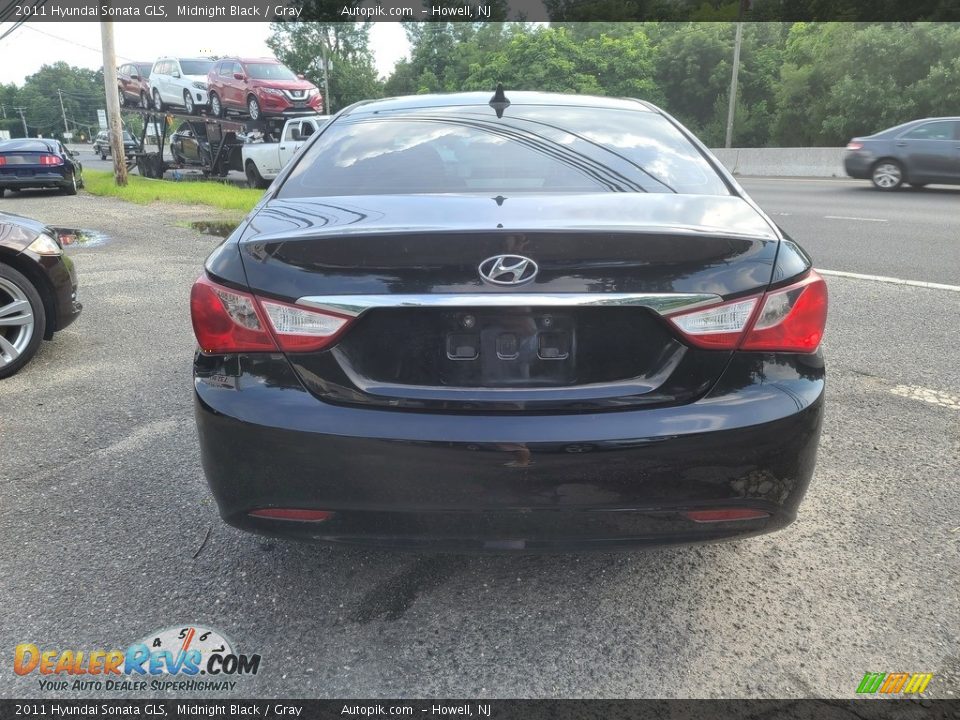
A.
pixel 262 161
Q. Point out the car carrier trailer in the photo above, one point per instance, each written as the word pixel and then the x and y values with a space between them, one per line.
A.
pixel 225 138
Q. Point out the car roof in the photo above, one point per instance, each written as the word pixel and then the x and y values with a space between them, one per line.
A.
pixel 180 58
pixel 254 59
pixel 520 97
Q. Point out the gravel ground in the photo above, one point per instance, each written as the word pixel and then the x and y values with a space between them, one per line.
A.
pixel 108 530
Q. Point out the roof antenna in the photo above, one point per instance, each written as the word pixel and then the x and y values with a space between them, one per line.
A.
pixel 499 101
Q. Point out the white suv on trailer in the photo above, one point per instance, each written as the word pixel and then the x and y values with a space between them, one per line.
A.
pixel 181 82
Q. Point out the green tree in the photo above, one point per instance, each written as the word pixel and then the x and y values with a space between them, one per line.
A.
pixel 82 91
pixel 302 46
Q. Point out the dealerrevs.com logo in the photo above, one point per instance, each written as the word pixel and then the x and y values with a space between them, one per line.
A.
pixel 188 658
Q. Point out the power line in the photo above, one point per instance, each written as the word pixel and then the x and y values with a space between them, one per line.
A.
pixel 73 42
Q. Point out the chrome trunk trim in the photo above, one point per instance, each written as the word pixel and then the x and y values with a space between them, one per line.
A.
pixel 356 305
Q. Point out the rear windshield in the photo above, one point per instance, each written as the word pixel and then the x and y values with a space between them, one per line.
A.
pixel 269 71
pixel 533 148
pixel 196 67
pixel 24 146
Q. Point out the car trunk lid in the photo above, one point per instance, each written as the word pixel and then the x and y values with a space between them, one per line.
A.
pixel 587 331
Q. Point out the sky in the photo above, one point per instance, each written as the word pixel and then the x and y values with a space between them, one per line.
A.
pixel 78 43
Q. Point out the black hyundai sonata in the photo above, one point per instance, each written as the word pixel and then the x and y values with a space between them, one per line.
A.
pixel 523 322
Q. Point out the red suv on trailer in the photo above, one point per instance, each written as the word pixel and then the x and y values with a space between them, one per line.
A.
pixel 259 87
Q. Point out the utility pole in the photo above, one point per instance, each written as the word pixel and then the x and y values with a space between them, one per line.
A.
pixel 3 109
pixel 733 85
pixel 23 119
pixel 744 5
pixel 113 103
pixel 66 128
pixel 325 52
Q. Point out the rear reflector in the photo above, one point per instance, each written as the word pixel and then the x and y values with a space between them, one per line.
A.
pixel 229 321
pixel 711 516
pixel 788 319
pixel 292 514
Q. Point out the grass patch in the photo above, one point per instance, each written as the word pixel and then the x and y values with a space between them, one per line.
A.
pixel 144 191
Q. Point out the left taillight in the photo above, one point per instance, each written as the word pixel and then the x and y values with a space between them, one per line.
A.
pixel 788 319
pixel 226 320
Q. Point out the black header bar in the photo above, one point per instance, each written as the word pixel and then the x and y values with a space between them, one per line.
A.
pixel 479 10
pixel 873 709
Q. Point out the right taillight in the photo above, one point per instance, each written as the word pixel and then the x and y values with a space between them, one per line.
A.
pixel 788 319
pixel 791 319
pixel 226 320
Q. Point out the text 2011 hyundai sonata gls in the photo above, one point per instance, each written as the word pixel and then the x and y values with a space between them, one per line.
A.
pixel 523 322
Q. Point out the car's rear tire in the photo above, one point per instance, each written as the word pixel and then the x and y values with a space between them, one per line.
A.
pixel 253 108
pixel 157 102
pixel 71 187
pixel 216 107
pixel 123 98
pixel 188 104
pixel 103 156
pixel 887 174
pixel 254 178
pixel 21 327
pixel 144 101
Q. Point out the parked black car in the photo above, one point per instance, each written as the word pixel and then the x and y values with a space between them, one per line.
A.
pixel 523 322
pixel 921 152
pixel 189 144
pixel 39 163
pixel 101 144
pixel 38 289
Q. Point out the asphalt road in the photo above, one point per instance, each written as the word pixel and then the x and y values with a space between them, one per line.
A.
pixel 847 225
pixel 108 531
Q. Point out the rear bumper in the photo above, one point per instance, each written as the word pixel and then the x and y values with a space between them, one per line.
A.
pixel 39 180
pixel 510 482
pixel 857 164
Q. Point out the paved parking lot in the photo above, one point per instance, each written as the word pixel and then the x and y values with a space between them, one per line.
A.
pixel 108 530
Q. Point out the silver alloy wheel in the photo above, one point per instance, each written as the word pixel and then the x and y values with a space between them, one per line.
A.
pixel 123 98
pixel 215 109
pixel 188 102
pixel 144 101
pixel 157 102
pixel 254 108
pixel 16 322
pixel 887 175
